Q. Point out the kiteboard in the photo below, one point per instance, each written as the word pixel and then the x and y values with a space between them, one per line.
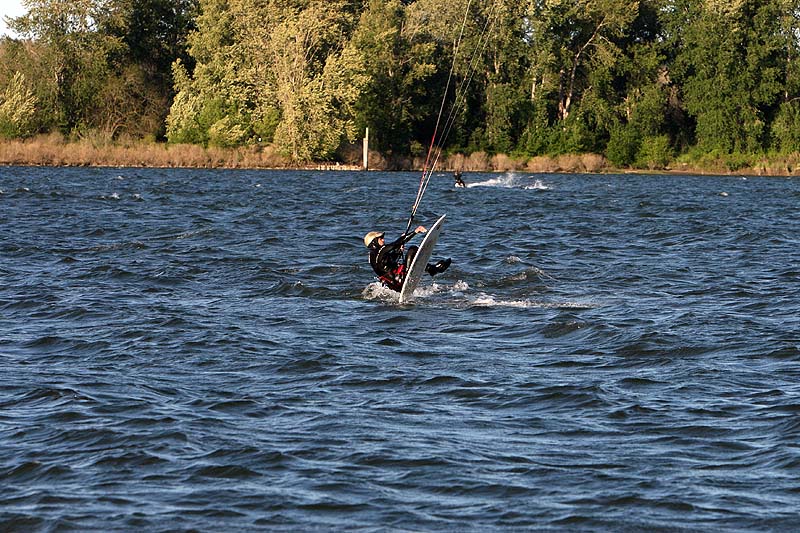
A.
pixel 417 268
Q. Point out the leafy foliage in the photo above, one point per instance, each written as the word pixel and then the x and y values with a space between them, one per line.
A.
pixel 17 108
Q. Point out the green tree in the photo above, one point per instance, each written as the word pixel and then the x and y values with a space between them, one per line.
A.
pixel 576 50
pixel 785 128
pixel 268 71
pixel 154 34
pixel 397 55
pixel 20 57
pixel 305 61
pixel 730 70
pixel 579 37
pixel 503 87
pixel 74 52
pixel 207 108
pixel 640 91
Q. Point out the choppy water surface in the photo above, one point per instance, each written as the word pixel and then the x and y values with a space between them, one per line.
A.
pixel 187 349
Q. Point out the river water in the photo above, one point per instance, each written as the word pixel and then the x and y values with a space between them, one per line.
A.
pixel 208 350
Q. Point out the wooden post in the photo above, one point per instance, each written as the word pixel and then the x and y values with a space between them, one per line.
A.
pixel 366 150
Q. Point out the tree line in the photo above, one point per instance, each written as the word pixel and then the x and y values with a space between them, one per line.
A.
pixel 639 82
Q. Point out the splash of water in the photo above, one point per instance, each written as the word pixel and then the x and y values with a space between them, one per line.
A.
pixel 511 180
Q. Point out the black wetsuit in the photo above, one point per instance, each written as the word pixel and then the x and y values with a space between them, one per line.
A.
pixel 387 261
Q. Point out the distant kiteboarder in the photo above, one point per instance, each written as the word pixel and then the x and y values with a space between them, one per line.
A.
pixel 458 181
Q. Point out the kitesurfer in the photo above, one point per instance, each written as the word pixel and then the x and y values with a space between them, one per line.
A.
pixel 387 259
pixel 459 181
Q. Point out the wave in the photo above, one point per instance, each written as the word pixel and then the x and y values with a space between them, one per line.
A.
pixel 459 295
pixel 488 300
pixel 538 185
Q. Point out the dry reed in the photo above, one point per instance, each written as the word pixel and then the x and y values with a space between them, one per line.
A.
pixel 96 150
pixel 53 150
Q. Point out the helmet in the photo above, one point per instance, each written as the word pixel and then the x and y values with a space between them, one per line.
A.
pixel 371 236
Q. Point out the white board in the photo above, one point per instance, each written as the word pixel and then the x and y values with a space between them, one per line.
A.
pixel 417 268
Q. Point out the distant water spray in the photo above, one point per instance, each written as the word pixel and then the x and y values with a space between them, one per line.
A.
pixel 511 180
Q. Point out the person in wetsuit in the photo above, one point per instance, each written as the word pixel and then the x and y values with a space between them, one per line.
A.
pixel 387 259
pixel 457 177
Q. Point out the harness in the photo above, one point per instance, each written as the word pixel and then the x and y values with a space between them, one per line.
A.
pixel 394 279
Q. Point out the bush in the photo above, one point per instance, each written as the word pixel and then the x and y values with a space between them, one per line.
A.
pixel 738 161
pixel 593 162
pixel 504 163
pixel 654 153
pixel 786 128
pixel 623 145
pixel 542 164
pixel 477 161
pixel 227 133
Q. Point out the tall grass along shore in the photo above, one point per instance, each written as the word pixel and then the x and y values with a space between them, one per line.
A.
pixel 55 150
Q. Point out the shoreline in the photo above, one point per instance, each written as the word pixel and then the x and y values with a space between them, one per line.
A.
pixel 53 151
